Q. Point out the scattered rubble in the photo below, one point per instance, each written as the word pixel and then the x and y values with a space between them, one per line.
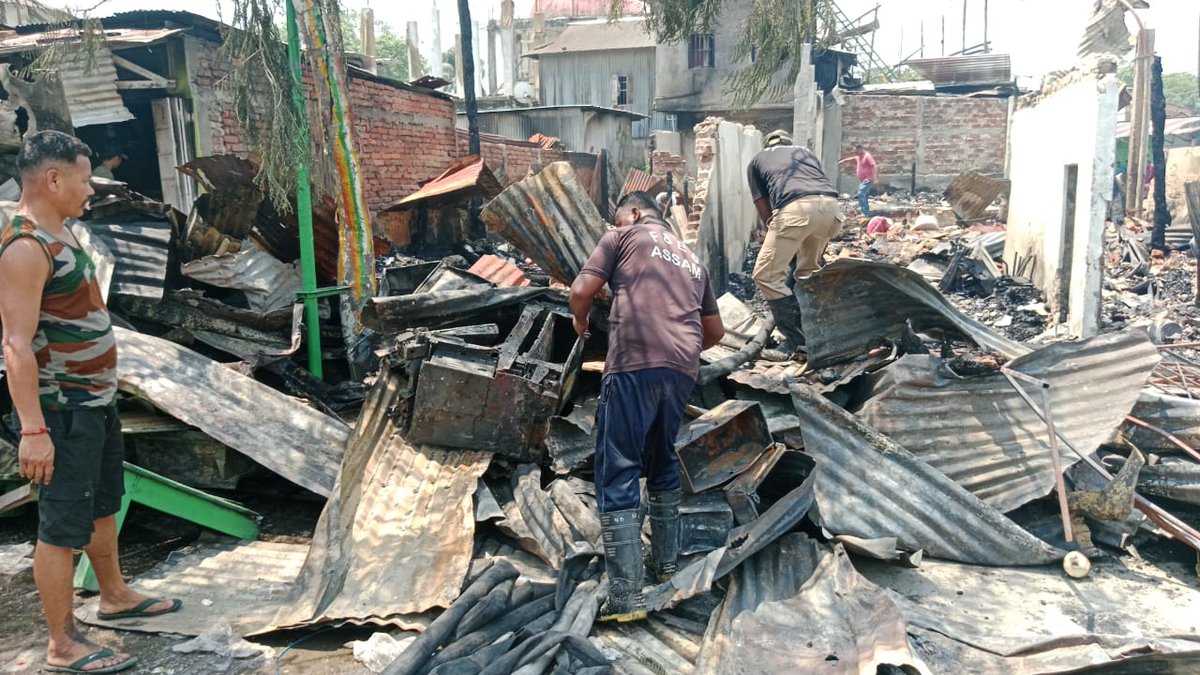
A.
pixel 452 443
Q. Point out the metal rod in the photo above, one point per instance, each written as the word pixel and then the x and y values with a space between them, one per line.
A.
pixel 308 261
pixel 1059 486
pixel 1168 522
pixel 1189 450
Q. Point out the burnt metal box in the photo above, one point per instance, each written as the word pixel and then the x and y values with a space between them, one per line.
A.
pixel 498 398
pixel 704 522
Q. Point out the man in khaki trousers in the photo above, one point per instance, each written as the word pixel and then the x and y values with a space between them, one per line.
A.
pixel 798 203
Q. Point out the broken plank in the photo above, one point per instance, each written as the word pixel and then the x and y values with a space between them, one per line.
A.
pixel 279 432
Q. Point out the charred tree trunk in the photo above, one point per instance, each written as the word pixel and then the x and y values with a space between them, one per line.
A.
pixel 1158 121
pixel 468 71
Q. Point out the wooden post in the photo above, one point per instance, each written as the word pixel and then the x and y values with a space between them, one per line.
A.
pixel 466 67
pixel 1139 127
pixel 1192 190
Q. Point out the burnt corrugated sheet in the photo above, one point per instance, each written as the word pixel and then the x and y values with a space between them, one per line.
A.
pixel 982 434
pixel 140 250
pixel 869 486
pixel 395 539
pixel 392 315
pixel 1174 414
pixel 835 620
pixel 851 305
pixel 549 217
pixel 666 642
pixel 971 193
pixel 291 439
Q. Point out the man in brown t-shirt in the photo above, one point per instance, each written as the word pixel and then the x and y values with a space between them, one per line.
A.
pixel 663 314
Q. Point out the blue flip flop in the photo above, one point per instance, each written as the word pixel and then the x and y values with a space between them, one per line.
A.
pixel 141 611
pixel 79 666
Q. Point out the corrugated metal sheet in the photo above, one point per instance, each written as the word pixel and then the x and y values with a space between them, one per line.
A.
pixel 666 642
pixel 242 584
pixel 469 174
pixel 982 434
pixel 395 538
pixel 16 43
pixel 555 523
pixel 598 37
pixel 640 181
pixel 960 70
pixel 835 620
pixel 549 217
pixel 1174 126
pixel 851 305
pixel 291 439
pixel 392 315
pixel 869 486
pixel 1174 414
pixel 971 193
pixel 499 271
pixel 140 250
pixel 92 92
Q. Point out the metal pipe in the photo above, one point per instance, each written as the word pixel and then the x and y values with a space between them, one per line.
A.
pixel 308 261
pixel 1059 486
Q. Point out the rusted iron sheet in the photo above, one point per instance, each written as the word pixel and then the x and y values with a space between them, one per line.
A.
pixel 868 486
pixel 852 305
pixel 499 271
pixel 549 217
pixel 284 435
pixel 835 620
pixel 971 193
pixel 722 443
pixel 640 181
pixel 467 176
pixel 982 435
pixel 243 584
pixel 395 538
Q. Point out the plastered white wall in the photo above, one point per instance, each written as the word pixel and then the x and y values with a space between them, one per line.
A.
pixel 1074 124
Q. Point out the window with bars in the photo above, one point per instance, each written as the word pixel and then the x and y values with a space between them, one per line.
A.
pixel 702 51
pixel 622 97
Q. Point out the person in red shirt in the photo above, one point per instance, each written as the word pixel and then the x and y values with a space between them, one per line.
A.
pixel 865 164
pixel 663 314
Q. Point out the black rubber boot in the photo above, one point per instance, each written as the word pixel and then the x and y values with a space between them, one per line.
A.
pixel 623 562
pixel 664 533
pixel 787 319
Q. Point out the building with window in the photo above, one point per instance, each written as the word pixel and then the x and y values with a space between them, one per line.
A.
pixel 602 64
pixel 691 77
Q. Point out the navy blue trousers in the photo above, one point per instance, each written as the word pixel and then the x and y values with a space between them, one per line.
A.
pixel 636 425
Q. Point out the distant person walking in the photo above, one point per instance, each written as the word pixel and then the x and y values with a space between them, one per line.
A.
pixel 865 165
pixel 798 203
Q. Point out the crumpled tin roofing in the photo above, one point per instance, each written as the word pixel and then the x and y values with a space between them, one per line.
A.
pixel 396 537
pixel 549 217
pixel 869 486
pixel 850 305
pixel 982 434
pixel 964 70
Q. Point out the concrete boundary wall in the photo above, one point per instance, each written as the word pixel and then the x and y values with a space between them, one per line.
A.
pixel 1061 137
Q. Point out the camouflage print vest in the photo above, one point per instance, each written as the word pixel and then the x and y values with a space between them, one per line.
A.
pixel 75 348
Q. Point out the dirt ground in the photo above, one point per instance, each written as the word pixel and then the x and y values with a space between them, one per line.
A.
pixel 146 540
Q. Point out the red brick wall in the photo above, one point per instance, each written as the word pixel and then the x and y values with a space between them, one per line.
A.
pixel 512 160
pixel 944 135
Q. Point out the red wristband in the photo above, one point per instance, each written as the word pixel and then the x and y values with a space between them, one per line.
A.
pixel 35 432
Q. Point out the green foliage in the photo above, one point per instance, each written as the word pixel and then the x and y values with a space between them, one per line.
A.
pixel 773 32
pixel 1180 89
pixel 261 87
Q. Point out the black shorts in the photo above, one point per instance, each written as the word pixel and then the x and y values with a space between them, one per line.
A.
pixel 88 480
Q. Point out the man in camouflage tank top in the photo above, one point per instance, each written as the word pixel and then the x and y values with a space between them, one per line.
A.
pixel 61 359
